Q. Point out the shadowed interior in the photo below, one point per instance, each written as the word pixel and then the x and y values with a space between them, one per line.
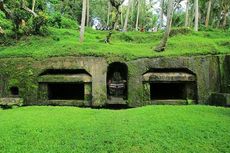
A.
pixel 161 91
pixel 66 91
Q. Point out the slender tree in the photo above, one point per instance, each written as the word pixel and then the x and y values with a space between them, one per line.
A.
pixel 187 14
pixel 162 45
pixel 33 5
pixel 138 15
pixel 208 13
pixel 83 15
pixel 87 14
pixel 116 4
pixel 196 15
pixel 108 13
pixel 127 15
pixel 161 13
pixel 225 6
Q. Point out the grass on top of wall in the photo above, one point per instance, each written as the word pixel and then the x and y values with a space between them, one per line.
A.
pixel 146 129
pixel 130 45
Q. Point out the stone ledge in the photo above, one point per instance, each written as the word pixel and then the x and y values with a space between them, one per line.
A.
pixel 11 101
pixel 220 99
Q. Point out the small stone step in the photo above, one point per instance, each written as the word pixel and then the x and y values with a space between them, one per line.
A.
pixel 11 101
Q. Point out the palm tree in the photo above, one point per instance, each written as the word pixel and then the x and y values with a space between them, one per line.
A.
pixel 208 13
pixel 196 15
pixel 127 16
pixel 87 14
pixel 187 14
pixel 162 13
pixel 83 15
pixel 162 45
pixel 138 14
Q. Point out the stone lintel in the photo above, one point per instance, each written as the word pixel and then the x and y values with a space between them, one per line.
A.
pixel 168 77
pixel 65 78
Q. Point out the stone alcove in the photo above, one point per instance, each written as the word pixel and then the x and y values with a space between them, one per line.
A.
pixel 170 86
pixel 61 86
pixel 117 78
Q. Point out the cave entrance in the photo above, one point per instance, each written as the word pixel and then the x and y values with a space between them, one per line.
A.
pixel 117 77
pixel 65 91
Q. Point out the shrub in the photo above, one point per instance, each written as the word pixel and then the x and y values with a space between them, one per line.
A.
pixel 40 24
pixel 68 23
pixel 4 23
pixel 183 31
pixel 59 21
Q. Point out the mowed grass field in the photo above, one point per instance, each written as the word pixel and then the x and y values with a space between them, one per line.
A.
pixel 146 129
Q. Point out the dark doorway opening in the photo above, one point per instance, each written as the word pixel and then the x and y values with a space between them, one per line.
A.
pixel 117 77
pixel 66 91
pixel 160 91
pixel 14 91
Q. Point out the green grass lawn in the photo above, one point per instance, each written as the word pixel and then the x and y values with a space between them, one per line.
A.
pixel 147 129
pixel 130 45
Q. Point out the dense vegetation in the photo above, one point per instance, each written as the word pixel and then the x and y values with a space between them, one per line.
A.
pixel 146 129
pixel 22 20
pixel 130 45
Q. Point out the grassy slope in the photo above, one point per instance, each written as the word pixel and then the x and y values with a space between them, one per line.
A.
pixel 130 45
pixel 146 129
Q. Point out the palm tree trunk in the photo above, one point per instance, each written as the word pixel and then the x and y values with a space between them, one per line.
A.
pixel 162 45
pixel 33 5
pixel 187 14
pixel 121 17
pixel 208 13
pixel 196 15
pixel 162 13
pixel 127 16
pixel 108 14
pixel 225 19
pixel 83 15
pixel 87 14
pixel 138 14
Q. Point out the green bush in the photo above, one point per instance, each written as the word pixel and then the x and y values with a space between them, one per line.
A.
pixel 40 24
pixel 59 21
pixel 55 20
pixel 177 31
pixel 68 23
pixel 5 23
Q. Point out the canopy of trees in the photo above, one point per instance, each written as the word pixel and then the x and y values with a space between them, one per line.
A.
pixel 25 17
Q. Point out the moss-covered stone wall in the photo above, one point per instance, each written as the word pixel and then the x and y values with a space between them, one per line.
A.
pixel 212 75
pixel 206 69
pixel 225 73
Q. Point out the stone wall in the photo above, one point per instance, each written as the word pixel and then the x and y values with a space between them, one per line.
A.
pixel 225 73
pixel 206 69
pixel 24 72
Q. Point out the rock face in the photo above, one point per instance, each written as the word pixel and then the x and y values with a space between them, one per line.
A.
pixel 192 79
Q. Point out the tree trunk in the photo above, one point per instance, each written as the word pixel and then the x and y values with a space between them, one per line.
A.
pixel 87 14
pixel 33 5
pixel 109 11
pixel 138 14
pixel 83 15
pixel 208 13
pixel 161 14
pixel 225 19
pixel 162 45
pixel 121 17
pixel 127 16
pixel 196 15
pixel 187 14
